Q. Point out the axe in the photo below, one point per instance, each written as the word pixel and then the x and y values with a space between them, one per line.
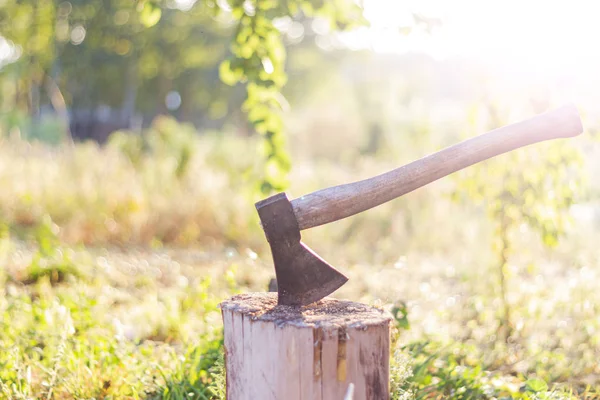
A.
pixel 303 277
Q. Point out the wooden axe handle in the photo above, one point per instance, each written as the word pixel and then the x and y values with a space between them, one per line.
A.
pixel 335 203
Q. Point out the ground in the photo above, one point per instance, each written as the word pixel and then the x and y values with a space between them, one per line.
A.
pixel 115 261
pixel 145 324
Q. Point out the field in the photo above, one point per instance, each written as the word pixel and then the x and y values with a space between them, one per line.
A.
pixel 136 137
pixel 113 293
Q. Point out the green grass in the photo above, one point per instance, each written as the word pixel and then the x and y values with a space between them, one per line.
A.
pixel 145 324
pixel 115 259
pixel 103 337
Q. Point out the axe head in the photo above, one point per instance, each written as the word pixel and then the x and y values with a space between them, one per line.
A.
pixel 302 276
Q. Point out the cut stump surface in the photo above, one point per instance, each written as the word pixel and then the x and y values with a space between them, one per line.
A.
pixel 304 353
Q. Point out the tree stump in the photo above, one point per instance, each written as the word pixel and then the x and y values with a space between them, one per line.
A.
pixel 323 351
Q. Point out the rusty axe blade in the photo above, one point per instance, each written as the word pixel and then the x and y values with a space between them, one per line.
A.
pixel 302 276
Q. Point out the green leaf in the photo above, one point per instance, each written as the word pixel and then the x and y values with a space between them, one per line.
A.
pixel 237 13
pixel 150 14
pixel 536 385
pixel 400 314
pixel 228 75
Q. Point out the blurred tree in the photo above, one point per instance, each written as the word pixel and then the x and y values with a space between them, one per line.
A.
pixel 30 25
pixel 108 60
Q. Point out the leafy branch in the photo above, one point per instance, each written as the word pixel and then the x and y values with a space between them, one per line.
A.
pixel 258 61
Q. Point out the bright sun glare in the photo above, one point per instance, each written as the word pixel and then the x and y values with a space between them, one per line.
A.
pixel 550 37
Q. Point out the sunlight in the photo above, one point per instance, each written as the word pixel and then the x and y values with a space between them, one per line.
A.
pixel 8 51
pixel 163 163
pixel 549 37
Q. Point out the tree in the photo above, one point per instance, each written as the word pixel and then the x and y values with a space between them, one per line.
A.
pixel 130 55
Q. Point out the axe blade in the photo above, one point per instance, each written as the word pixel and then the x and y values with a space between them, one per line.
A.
pixel 302 276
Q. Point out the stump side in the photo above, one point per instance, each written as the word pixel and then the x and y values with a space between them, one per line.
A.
pixel 314 352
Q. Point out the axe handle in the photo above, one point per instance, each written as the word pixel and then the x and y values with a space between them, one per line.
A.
pixel 335 203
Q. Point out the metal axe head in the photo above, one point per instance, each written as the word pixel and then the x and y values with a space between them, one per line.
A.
pixel 302 276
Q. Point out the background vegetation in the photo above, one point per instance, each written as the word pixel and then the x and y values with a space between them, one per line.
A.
pixel 136 136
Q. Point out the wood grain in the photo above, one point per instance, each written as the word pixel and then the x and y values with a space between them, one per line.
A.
pixel 335 203
pixel 311 353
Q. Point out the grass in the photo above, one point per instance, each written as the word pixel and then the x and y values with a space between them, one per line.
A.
pixel 146 325
pixel 115 259
pixel 104 336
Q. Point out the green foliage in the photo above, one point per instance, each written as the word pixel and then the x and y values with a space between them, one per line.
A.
pixel 532 187
pixel 150 13
pixel 130 144
pixel 258 61
pixel 536 385
pixel 200 376
pixel 165 139
pixel 451 372
pixel 4 238
pixel 68 341
pixel 55 271
pixel 400 313
pixel 50 262
pixel 140 51
pixel 48 130
pixel 400 374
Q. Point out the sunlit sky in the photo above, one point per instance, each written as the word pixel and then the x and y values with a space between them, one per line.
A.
pixel 547 35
